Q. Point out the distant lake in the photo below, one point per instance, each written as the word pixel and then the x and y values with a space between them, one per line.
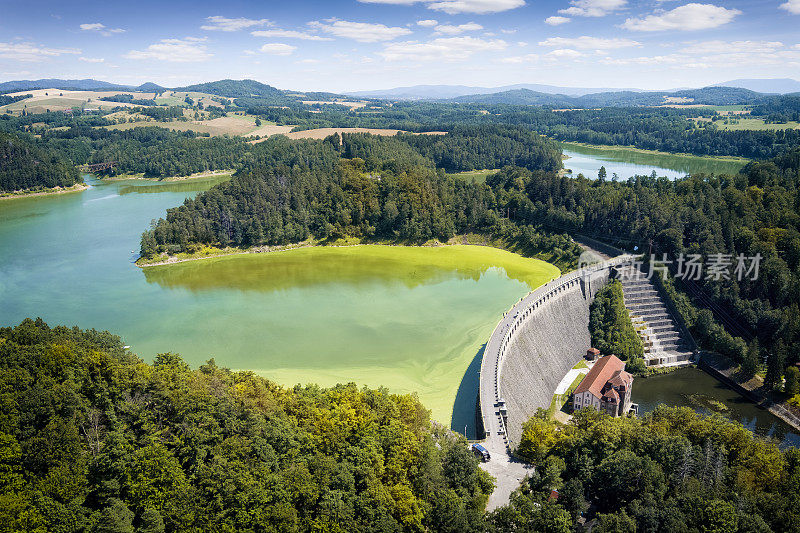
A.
pixel 409 319
pixel 587 160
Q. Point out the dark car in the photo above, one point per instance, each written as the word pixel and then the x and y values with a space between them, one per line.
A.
pixel 481 452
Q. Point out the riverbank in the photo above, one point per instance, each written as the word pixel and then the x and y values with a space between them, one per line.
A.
pixel 78 187
pixel 195 176
pixel 753 388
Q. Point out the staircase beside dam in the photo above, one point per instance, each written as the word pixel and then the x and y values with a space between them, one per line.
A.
pixel 665 344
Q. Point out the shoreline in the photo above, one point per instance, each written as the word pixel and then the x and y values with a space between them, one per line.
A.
pixel 78 187
pixel 627 148
pixel 463 240
pixel 196 176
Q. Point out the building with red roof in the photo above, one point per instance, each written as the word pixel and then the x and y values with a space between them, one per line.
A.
pixel 607 388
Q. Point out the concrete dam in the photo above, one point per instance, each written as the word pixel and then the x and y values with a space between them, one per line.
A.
pixel 535 344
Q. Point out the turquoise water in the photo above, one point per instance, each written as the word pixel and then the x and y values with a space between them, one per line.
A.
pixel 412 322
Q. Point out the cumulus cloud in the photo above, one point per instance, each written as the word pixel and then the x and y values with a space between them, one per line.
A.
pixel 441 49
pixel 593 8
pixel 217 23
pixel 589 43
pixel 91 59
pixel 792 6
pixel 291 34
pixel 564 53
pixel 690 17
pixel 278 49
pixel 454 7
pixel 427 23
pixel 556 20
pixel 101 29
pixel 186 50
pixel 456 30
pixel 363 32
pixel 32 52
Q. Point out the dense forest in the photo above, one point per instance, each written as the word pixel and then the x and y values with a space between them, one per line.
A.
pixel 671 470
pixel 611 328
pixel 26 166
pixel 356 185
pixel 94 439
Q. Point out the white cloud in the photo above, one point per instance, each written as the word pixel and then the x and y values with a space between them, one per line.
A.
pixel 564 53
pixel 32 52
pixel 186 50
pixel 291 34
pixel 589 43
pixel 442 49
pixel 456 30
pixel 556 20
pixel 454 7
pixel 427 23
pixel 278 49
pixel 217 23
pixel 792 6
pixel 690 17
pixel 91 59
pixel 363 32
pixel 731 47
pixel 593 8
pixel 508 32
pixel 101 29
pixel 516 60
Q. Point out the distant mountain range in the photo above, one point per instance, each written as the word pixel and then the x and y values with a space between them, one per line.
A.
pixel 448 92
pixel 745 91
pixel 705 96
pixel 73 85
pixel 776 86
pixel 444 92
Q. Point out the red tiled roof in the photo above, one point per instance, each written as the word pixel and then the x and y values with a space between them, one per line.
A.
pixel 593 350
pixel 620 378
pixel 611 394
pixel 601 372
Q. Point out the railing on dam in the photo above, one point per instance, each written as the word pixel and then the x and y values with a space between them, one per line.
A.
pixel 491 399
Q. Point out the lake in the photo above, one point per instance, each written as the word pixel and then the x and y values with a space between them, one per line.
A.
pixel 696 389
pixel 587 160
pixel 410 319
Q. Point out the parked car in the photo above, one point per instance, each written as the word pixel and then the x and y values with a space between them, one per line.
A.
pixel 481 452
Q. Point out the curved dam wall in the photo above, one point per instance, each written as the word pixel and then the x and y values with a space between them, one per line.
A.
pixel 533 347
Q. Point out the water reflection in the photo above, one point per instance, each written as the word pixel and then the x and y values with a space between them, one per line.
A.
pixel 355 266
pixel 694 388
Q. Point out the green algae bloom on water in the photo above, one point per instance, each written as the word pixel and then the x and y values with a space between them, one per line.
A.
pixel 408 318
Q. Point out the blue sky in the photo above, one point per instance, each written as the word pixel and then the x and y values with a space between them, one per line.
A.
pixel 342 45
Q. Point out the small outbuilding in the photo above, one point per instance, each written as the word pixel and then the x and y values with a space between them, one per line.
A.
pixel 592 354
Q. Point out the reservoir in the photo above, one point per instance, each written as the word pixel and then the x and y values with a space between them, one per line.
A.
pixel 409 319
pixel 625 162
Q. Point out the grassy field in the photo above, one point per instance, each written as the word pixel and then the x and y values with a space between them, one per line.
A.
pixel 755 124
pixel 230 125
pixel 477 175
